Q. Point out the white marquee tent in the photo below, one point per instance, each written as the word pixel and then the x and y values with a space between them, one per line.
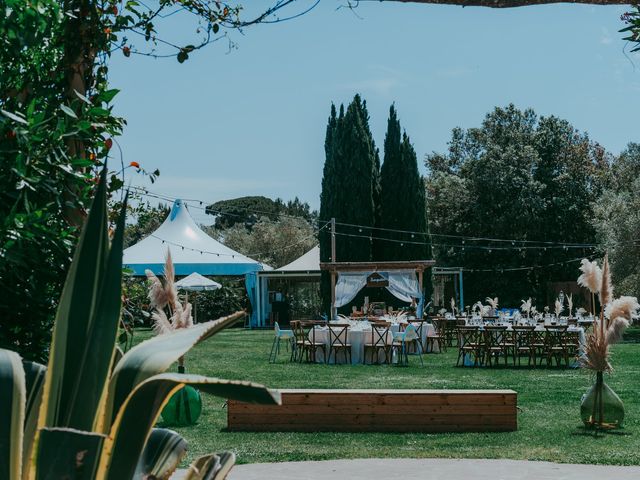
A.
pixel 192 250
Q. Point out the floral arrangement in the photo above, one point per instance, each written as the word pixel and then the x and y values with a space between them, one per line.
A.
pixel 615 315
pixel 169 313
pixel 526 307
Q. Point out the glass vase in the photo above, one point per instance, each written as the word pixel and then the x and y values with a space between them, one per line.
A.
pixel 601 407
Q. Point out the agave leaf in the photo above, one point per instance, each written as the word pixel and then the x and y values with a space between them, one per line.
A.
pixel 62 405
pixel 152 357
pixel 142 408
pixel 67 453
pixel 215 466
pixel 34 376
pixel 13 393
pixel 162 454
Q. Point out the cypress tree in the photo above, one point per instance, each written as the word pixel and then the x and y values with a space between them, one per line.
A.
pixel 403 205
pixel 350 181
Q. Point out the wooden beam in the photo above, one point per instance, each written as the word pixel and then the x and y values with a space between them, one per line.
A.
pixel 513 3
pixel 415 265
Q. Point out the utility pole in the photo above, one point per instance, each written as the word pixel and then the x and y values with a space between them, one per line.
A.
pixel 333 272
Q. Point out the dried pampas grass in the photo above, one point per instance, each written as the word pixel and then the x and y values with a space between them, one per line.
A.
pixel 606 290
pixel 526 306
pixel 453 305
pixel 625 307
pixel 164 295
pixel 591 277
pixel 477 307
pixel 493 302
pixel 616 328
pixel 570 303
pixel 596 351
pixel 558 308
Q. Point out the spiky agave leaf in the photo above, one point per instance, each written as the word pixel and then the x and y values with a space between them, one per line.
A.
pixel 591 277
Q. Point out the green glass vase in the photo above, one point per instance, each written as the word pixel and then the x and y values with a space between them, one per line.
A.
pixel 184 407
pixel 601 407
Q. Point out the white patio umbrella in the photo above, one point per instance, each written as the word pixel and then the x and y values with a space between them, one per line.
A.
pixel 196 283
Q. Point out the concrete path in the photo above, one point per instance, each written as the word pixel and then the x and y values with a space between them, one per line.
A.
pixel 445 469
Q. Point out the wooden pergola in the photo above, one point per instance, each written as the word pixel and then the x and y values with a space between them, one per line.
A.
pixel 417 266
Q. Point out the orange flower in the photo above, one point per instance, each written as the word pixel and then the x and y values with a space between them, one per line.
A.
pixel 92 156
pixel 134 164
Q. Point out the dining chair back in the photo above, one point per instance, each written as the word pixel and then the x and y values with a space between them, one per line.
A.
pixel 338 335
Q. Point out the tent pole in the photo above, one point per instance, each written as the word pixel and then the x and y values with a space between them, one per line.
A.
pixel 334 312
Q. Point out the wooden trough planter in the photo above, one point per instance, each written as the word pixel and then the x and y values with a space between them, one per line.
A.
pixel 379 411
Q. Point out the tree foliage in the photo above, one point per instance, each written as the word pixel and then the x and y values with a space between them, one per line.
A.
pixel 521 177
pixel 273 242
pixel 350 185
pixel 617 221
pixel 247 211
pixel 402 202
pixel 148 219
pixel 57 129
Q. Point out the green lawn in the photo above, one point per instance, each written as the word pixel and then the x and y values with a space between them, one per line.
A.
pixel 548 399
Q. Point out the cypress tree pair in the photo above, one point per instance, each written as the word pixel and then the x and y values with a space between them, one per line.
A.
pixel 360 194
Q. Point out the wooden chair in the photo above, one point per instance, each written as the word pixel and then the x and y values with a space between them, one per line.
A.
pixel 470 342
pixel 306 343
pixel 495 338
pixel 338 343
pixel 555 346
pixel 440 326
pixel 524 339
pixel 379 341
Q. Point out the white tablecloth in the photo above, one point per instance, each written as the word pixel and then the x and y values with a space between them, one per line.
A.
pixel 358 336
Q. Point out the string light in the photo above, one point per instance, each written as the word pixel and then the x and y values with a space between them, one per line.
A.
pixel 143 191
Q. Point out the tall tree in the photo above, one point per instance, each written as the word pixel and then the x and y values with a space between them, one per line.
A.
pixel 516 177
pixel 617 221
pixel 349 184
pixel 402 201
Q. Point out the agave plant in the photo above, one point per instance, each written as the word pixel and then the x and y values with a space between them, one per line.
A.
pixel 90 413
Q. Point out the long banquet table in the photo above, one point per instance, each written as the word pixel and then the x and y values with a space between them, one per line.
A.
pixel 359 333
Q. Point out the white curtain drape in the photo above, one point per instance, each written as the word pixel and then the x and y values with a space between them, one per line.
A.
pixel 348 286
pixel 404 285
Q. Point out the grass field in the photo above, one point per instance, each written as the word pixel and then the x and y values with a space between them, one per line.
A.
pixel 548 399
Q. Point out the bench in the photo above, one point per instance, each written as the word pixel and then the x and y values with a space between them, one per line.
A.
pixel 379 411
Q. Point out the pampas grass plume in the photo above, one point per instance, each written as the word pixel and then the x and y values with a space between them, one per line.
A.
pixel 591 277
pixel 606 290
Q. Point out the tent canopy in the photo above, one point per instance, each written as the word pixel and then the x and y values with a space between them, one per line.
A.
pixel 192 250
pixel 309 262
pixel 197 283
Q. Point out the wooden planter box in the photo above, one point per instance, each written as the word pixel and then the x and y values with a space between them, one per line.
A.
pixel 380 411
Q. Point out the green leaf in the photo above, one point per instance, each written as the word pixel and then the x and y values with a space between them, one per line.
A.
pixel 215 466
pixel 66 404
pixel 162 454
pixel 34 376
pixel 108 95
pixel 66 453
pixel 82 97
pixel 12 404
pixel 142 408
pixel 14 117
pixel 155 356
pixel 69 111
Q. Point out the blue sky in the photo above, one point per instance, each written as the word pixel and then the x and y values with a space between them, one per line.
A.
pixel 251 121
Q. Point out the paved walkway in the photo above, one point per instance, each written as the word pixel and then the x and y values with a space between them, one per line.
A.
pixel 413 469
